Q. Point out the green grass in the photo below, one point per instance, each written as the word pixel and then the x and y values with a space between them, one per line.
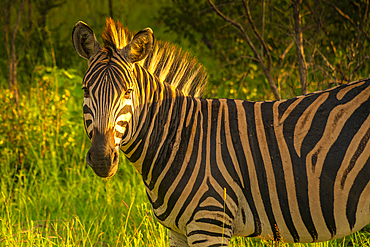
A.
pixel 48 195
pixel 76 208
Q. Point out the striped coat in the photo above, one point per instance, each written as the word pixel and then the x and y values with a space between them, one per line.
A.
pixel 294 170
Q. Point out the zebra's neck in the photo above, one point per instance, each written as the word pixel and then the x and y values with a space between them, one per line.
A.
pixel 155 124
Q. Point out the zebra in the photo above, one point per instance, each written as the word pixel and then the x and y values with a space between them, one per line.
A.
pixel 294 170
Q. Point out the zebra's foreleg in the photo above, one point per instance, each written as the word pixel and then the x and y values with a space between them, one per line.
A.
pixel 177 240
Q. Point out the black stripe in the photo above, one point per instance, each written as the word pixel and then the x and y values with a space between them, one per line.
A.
pixel 226 162
pixel 212 193
pixel 120 134
pixel 190 165
pixel 354 91
pixel 171 174
pixel 260 168
pixel 146 116
pixel 147 81
pixel 280 183
pixel 243 166
pixel 299 163
pixel 333 163
pixel 201 172
pixel 214 222
pixel 124 110
pixel 207 233
pixel 88 123
pixel 140 85
pixel 358 187
pixel 87 110
pixel 243 216
pixel 127 131
pixel 122 123
pixel 164 153
pixel 92 68
pixel 365 139
pixel 199 241
pixel 184 180
pixel 90 134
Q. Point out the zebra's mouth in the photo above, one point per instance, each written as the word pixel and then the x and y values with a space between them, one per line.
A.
pixel 104 165
pixel 104 171
pixel 103 156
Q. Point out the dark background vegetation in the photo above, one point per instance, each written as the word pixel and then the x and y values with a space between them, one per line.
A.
pixel 253 50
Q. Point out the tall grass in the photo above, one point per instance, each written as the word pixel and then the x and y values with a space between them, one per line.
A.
pixel 49 197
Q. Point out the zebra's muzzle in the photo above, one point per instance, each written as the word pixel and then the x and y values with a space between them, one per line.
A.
pixel 103 156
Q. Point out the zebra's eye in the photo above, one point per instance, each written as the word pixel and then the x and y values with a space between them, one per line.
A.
pixel 128 93
pixel 86 92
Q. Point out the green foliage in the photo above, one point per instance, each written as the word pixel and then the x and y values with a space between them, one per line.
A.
pixel 335 37
pixel 38 129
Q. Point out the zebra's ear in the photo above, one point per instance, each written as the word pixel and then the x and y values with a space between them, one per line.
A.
pixel 84 40
pixel 140 46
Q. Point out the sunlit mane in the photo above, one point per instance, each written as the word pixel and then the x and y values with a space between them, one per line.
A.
pixel 167 62
pixel 116 35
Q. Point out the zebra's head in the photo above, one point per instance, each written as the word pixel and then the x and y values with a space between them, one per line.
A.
pixel 109 90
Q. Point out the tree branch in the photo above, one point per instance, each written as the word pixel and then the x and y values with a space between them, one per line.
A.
pixel 18 20
pixel 357 67
pixel 240 28
pixel 233 61
pixel 255 30
pixel 299 46
pixel 345 16
pixel 286 52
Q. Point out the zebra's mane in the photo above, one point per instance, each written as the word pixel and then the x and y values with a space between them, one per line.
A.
pixel 169 63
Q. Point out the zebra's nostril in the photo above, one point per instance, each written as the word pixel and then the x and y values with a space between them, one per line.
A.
pixel 88 158
pixel 115 157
